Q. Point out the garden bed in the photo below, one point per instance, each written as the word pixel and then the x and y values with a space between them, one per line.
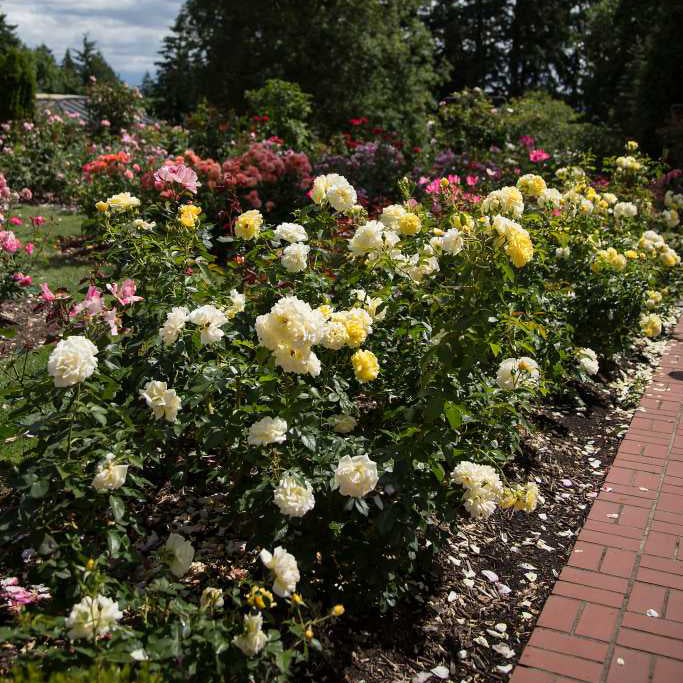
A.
pixel 461 621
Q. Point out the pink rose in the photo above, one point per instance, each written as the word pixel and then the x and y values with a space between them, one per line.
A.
pixel 29 248
pixel 22 280
pixel 45 293
pixel 538 155
pixel 15 220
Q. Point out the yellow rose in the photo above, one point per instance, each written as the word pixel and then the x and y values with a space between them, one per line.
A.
pixel 409 224
pixel 356 332
pixel 248 225
pixel 188 215
pixel 365 366
pixel 102 206
pixel 631 254
pixel 519 248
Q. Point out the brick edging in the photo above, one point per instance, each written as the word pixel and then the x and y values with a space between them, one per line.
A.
pixel 628 559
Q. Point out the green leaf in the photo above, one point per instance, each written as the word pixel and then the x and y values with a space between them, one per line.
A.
pixel 118 507
pixel 113 542
pixel 454 414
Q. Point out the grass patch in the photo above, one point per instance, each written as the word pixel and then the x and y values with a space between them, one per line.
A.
pixel 49 263
pixel 13 443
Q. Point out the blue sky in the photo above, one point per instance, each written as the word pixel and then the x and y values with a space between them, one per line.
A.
pixel 128 32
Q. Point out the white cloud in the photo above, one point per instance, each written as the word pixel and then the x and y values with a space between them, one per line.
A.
pixel 128 32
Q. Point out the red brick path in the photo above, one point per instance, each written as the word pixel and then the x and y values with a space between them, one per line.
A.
pixel 628 559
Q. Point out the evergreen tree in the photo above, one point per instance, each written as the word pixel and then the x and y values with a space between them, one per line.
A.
pixel 356 57
pixel 8 36
pixel 70 75
pixel 17 85
pixel 90 63
pixel 49 76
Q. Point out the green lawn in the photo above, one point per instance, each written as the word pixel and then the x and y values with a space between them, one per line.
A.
pixel 49 264
pixel 59 270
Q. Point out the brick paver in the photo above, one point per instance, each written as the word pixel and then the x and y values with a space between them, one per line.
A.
pixel 616 611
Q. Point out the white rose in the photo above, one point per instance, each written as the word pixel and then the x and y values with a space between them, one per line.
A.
pixel 343 424
pixel 367 238
pixel 285 568
pixel 109 476
pixel 300 361
pixel 211 598
pixel 625 209
pixel 516 372
pixel 295 257
pixel 92 617
pixel 452 241
pixel 294 499
pixel 179 554
pixel 253 639
pixel 291 232
pixel 175 322
pixel 356 476
pixel 123 202
pixel 588 360
pixel 391 215
pixel 72 361
pixel 238 302
pixel 162 401
pixel 209 319
pixel 291 323
pixel 341 196
pixel 266 431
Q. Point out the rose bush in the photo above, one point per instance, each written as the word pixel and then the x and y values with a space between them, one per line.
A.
pixel 306 421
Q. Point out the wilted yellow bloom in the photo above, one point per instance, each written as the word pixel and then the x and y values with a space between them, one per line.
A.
pixel 102 206
pixel 409 224
pixel 631 145
pixel 338 610
pixel 297 599
pixel 188 215
pixel 365 366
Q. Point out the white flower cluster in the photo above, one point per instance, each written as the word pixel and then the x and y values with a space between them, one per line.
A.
pixel 628 163
pixel 673 201
pixel 208 318
pixel 72 361
pixel 651 241
pixel 290 331
pixel 335 190
pixel 110 476
pixel 285 569
pixel 92 617
pixel 355 476
pixel 514 373
pixel 266 431
pixel 294 498
pixel 588 360
pixel 372 239
pixel 483 488
pixel 671 218
pixel 162 401
pixel 346 328
pixel 507 200
pixel 625 210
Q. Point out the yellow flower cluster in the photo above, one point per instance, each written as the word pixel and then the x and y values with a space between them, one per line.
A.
pixel 608 258
pixel 260 598
pixel 531 185
pixel 188 214
pixel 124 201
pixel 519 247
pixel 365 366
pixel 520 497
